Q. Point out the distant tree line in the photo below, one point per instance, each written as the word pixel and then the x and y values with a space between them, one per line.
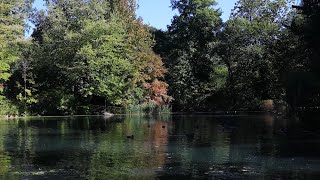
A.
pixel 84 55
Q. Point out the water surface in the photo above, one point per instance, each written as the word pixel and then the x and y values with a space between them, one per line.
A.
pixel 169 147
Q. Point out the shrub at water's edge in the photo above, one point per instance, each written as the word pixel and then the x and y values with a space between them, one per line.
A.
pixel 7 108
pixel 148 108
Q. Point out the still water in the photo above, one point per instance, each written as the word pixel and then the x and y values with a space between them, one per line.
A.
pixel 168 147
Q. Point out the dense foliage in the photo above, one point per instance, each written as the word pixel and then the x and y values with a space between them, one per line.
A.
pixel 254 57
pixel 85 56
pixel 12 26
pixel 307 28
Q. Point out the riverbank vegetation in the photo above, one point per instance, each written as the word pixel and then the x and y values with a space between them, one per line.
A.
pixel 84 56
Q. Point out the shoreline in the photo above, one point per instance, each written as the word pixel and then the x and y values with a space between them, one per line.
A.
pixel 216 113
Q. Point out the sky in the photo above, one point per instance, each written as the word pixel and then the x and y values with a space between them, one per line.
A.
pixel 158 13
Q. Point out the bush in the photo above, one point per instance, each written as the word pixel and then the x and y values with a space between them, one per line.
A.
pixel 7 108
pixel 267 105
pixel 55 102
pixel 148 108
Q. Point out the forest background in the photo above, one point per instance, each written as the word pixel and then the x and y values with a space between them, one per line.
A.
pixel 86 56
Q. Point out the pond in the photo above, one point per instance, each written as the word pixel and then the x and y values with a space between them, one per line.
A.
pixel 165 147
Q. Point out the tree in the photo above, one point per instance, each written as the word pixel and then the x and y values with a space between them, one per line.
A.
pixel 12 25
pixel 305 29
pixel 21 85
pixel 192 56
pixel 12 15
pixel 308 27
pixel 253 28
pixel 93 52
pixel 102 61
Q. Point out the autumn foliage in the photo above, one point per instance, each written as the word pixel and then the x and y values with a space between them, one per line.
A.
pixel 158 92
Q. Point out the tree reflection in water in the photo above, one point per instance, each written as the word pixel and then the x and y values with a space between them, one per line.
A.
pixel 172 147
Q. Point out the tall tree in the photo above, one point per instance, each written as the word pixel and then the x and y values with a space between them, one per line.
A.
pixel 254 26
pixel 305 28
pixel 93 52
pixel 12 25
pixel 309 28
pixel 13 14
pixel 191 57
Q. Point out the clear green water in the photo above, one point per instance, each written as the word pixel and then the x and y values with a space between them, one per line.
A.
pixel 176 147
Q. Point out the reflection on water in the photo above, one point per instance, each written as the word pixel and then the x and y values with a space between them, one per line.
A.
pixel 176 147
